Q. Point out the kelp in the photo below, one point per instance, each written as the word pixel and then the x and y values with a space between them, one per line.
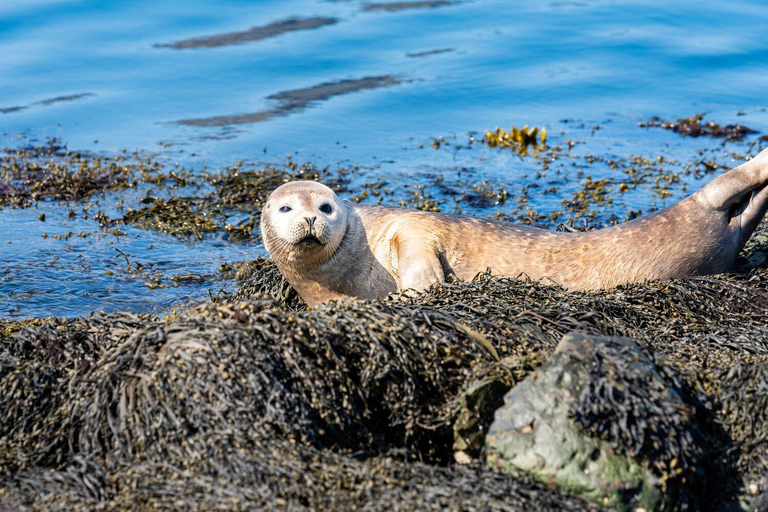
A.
pixel 10 327
pixel 517 139
pixel 264 404
pixel 228 202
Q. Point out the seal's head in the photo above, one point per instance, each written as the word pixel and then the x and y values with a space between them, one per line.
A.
pixel 303 221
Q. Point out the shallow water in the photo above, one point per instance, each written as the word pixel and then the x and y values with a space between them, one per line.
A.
pixel 344 82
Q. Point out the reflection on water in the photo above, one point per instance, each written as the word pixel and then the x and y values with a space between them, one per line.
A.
pixel 429 52
pixel 401 6
pixel 368 83
pixel 299 99
pixel 253 34
pixel 49 101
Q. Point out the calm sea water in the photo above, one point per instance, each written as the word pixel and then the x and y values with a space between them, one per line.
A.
pixel 221 81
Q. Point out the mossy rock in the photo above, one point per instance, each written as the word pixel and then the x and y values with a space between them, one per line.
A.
pixel 541 428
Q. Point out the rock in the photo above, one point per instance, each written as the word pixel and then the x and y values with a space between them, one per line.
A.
pixel 478 403
pixel 461 458
pixel 599 420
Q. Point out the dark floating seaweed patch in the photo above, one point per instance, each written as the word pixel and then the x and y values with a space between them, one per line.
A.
pixel 235 190
pixel 49 101
pixel 402 6
pixel 594 198
pixel 296 100
pixel 328 90
pixel 10 110
pixel 253 34
pixel 694 127
pixel 11 327
pixel 174 216
pixel 227 203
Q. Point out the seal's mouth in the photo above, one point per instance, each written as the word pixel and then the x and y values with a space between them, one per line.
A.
pixel 309 241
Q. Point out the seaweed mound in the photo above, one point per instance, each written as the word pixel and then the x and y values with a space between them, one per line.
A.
pixel 255 401
pixel 628 403
pixel 246 404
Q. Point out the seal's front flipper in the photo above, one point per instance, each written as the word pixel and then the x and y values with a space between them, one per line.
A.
pixel 418 265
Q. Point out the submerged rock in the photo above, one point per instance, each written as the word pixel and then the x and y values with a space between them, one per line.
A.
pixel 599 420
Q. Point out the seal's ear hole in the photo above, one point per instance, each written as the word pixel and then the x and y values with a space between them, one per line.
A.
pixel 285 209
pixel 326 208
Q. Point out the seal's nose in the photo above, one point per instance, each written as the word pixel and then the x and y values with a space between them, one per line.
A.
pixel 310 221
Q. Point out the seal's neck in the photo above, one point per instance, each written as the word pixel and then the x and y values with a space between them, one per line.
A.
pixel 352 255
pixel 333 275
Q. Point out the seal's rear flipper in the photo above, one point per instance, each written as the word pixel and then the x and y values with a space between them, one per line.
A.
pixel 735 187
pixel 755 210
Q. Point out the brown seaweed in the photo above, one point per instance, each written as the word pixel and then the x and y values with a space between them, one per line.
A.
pixel 694 127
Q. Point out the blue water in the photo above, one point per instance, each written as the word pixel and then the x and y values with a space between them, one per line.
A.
pixel 467 66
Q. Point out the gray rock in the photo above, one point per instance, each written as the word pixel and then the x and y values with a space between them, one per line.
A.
pixel 594 420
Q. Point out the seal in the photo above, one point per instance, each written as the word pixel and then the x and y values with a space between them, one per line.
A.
pixel 332 249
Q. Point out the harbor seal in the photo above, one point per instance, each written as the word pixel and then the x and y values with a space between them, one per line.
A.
pixel 332 249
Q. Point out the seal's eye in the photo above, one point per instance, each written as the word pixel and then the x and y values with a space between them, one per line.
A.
pixel 326 208
pixel 285 209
